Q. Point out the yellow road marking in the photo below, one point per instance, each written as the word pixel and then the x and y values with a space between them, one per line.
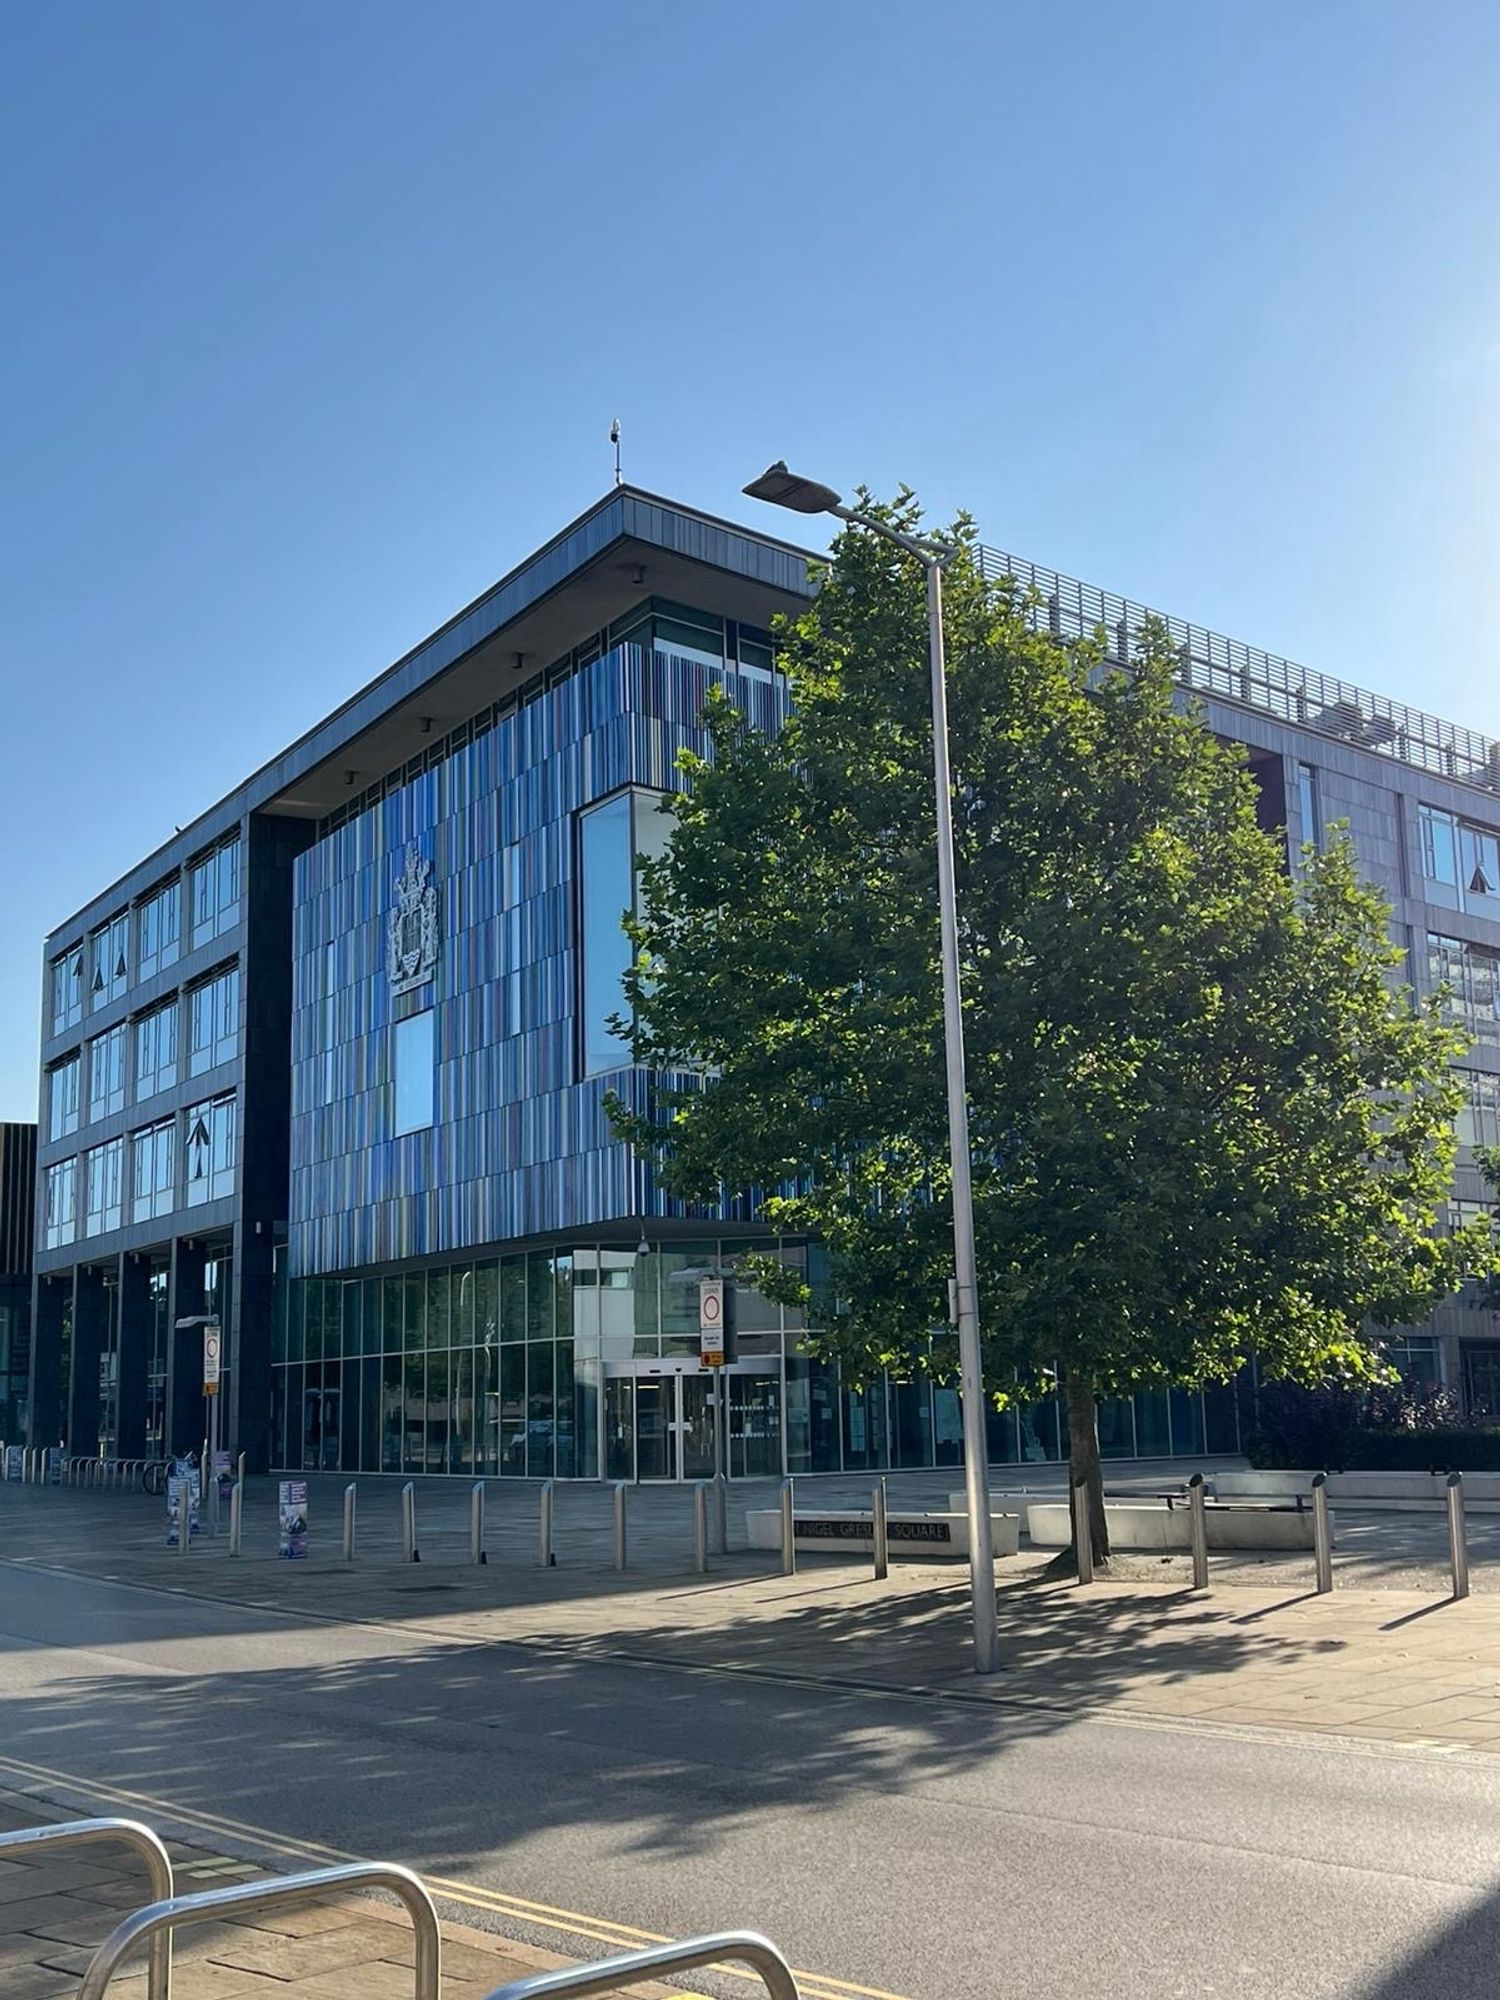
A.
pixel 546 1916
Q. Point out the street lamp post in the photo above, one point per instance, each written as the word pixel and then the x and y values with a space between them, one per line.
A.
pixel 805 496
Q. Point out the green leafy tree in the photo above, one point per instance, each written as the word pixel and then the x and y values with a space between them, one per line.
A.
pixel 1205 1120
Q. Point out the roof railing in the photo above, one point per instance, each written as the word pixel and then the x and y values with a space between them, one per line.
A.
pixel 1229 670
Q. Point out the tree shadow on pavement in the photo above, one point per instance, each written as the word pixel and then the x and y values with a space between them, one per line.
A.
pixel 496 1742
pixel 1458 1964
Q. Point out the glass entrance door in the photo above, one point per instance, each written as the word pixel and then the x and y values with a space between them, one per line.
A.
pixel 662 1426
pixel 696 1397
pixel 655 1427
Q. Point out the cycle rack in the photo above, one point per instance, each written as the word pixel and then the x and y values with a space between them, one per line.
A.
pixel 129 1833
pixel 636 1968
pixel 161 1919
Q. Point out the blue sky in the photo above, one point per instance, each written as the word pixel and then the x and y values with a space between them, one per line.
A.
pixel 318 316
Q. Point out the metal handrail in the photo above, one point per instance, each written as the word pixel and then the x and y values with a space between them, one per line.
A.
pixel 637 1968
pixel 129 1833
pixel 161 1919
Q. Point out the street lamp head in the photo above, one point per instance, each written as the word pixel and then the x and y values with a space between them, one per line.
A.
pixel 790 489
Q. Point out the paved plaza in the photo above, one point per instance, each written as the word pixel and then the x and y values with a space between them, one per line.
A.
pixel 577 1760
pixel 1386 1656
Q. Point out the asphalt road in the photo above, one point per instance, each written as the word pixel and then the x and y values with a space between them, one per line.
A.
pixel 918 1847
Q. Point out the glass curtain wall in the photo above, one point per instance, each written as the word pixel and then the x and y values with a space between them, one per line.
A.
pixel 495 1367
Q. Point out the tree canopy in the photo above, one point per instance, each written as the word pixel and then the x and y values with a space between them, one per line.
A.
pixel 1207 1118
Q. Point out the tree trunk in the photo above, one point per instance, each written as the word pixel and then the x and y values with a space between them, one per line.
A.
pixel 1083 1464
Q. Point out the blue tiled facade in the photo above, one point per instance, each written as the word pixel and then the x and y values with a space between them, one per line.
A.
pixel 520 1145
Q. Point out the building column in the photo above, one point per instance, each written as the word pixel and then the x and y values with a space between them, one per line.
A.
pixel 90 1330
pixel 185 1414
pixel 252 1312
pixel 134 1355
pixel 51 1313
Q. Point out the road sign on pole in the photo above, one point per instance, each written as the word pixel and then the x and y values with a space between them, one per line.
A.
pixel 212 1350
pixel 711 1322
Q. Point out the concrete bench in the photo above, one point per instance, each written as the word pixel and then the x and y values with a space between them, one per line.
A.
pixel 917 1537
pixel 1155 1526
pixel 1393 1492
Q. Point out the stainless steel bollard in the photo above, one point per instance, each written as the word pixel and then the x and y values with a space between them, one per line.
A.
pixel 184 1517
pixel 622 1551
pixel 1458 1541
pixel 1198 1525
pixel 476 1523
pixel 1322 1536
pixel 788 1530
pixel 879 1533
pixel 719 1493
pixel 409 1550
pixel 544 1526
pixel 236 1515
pixel 1083 1532
pixel 700 1528
pixel 351 1504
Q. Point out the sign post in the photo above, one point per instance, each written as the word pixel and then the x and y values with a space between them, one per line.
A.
pixel 212 1352
pixel 715 1347
pixel 213 1358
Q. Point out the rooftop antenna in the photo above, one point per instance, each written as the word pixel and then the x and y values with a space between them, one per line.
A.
pixel 614 438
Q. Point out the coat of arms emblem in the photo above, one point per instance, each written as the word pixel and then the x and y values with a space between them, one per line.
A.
pixel 411 939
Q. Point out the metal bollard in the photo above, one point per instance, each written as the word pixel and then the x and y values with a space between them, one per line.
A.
pixel 544 1524
pixel 351 1502
pixel 700 1528
pixel 879 1534
pixel 476 1523
pixel 1198 1525
pixel 720 1497
pixel 409 1550
pixel 1083 1533
pixel 621 1546
pixel 1322 1536
pixel 236 1515
pixel 184 1517
pixel 788 1530
pixel 1458 1541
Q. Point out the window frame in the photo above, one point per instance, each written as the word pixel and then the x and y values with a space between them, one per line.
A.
pixel 423 1026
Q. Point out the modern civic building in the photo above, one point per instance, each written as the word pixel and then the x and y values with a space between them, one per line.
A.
pixel 332 1063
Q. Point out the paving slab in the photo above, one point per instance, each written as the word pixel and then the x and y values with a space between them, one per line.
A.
pixel 348 1946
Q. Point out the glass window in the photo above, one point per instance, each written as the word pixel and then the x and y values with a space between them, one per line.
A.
pixel 213 1021
pixel 612 835
pixel 214 884
pixel 1416 1359
pixel 62 1203
pixel 415 1074
pixel 156 1051
pixel 1463 858
pixel 1478 864
pixel 67 989
pixel 153 1171
pixel 104 1168
pixel 1307 796
pixel 210 1147
pixel 109 960
pixel 1471 972
pixel 62 1098
pixel 107 1073
pixel 1439 846
pixel 158 931
pixel 1478 1122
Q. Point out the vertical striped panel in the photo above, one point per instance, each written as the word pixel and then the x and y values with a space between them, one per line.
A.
pixel 520 1146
